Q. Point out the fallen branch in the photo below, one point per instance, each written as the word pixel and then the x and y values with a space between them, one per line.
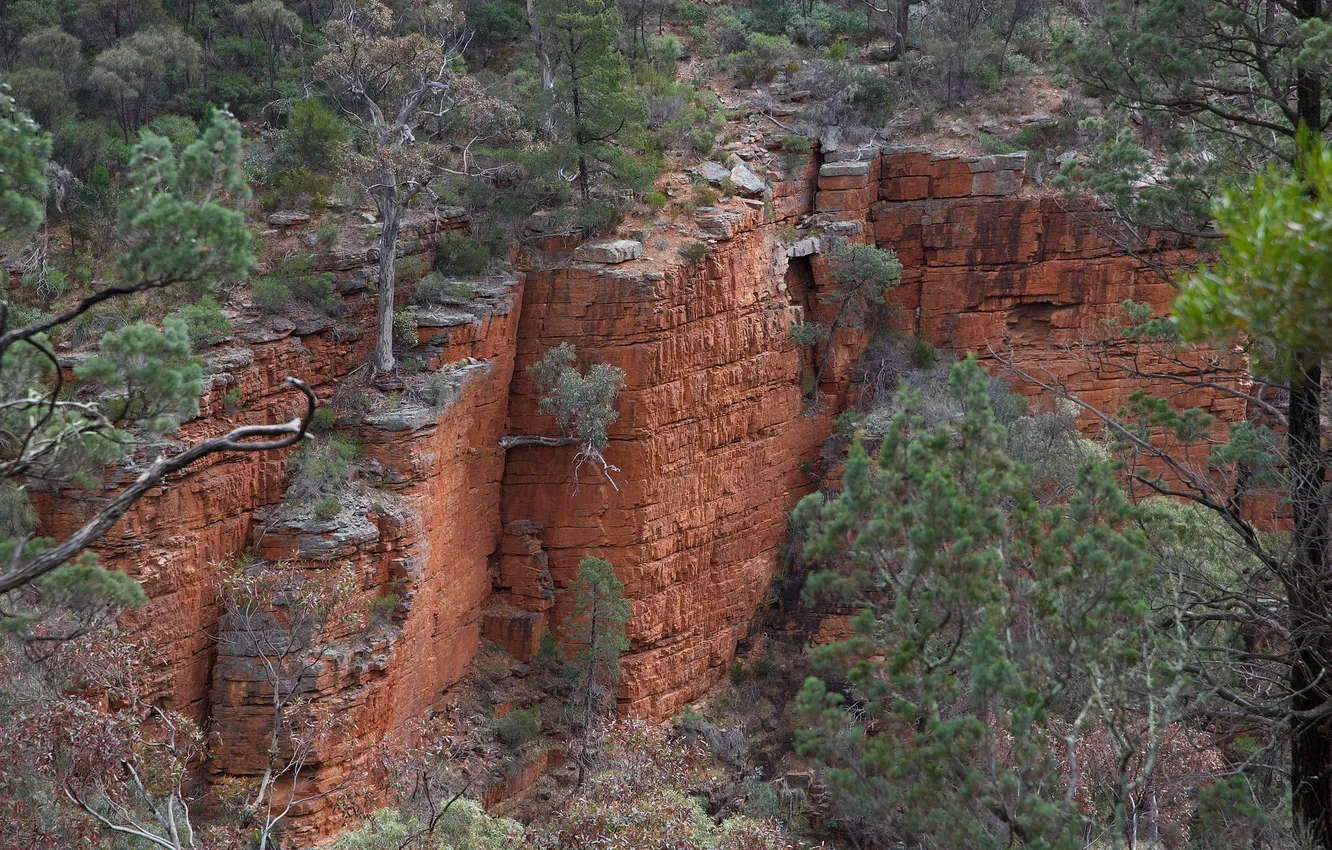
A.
pixel 270 437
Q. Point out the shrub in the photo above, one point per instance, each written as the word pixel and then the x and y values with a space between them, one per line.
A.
pixel 689 13
pixel 327 234
pixel 383 607
pixel 413 268
pixel 517 727
pixel 438 289
pixel 994 144
pixel 323 421
pixel 231 400
pixel 797 145
pixel 296 280
pixel 457 254
pixel 705 196
pixel 315 135
pixel 404 329
pixel 181 130
pixel 731 32
pixel 327 508
pixel 689 718
pixel 322 467
pixel 442 387
pixel 764 58
pixel 665 51
pixel 205 322
pixel 702 141
pixel 270 293
pixel 695 251
pixel 296 183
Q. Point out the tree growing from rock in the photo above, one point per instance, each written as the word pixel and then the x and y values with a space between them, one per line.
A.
pixel 583 405
pixel 861 274
pixel 594 637
pixel 400 78
pixel 177 228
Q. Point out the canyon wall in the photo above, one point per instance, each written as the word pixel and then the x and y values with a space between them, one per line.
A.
pixel 714 443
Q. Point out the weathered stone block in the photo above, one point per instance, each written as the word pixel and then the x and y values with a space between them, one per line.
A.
pixel 609 253
pixel 845 200
pixel 905 188
pixel 996 183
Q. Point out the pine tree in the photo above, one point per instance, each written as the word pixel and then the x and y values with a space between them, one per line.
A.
pixel 1264 302
pixel 991 632
pixel 592 101
pixel 177 228
pixel 594 635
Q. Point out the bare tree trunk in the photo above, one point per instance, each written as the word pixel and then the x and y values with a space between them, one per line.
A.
pixel 390 209
pixel 538 47
pixel 1311 740
pixel 903 25
pixel 589 676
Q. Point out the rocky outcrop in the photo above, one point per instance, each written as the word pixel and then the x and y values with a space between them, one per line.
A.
pixel 711 437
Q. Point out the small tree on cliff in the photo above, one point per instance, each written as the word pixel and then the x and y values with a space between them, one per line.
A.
pixel 177 227
pixel 401 78
pixel 992 633
pixel 1266 300
pixel 272 617
pixel 861 274
pixel 583 405
pixel 594 634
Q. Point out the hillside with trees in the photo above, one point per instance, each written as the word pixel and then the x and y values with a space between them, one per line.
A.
pixel 658 424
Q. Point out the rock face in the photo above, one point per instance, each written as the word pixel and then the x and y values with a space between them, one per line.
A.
pixel 710 449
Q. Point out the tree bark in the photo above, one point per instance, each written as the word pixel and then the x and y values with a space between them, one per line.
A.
pixel 390 209
pixel 903 25
pixel 538 47
pixel 1311 741
pixel 517 440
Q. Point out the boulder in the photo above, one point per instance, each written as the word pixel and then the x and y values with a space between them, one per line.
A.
pixel 747 182
pixel 610 253
pixel 287 219
pixel 712 172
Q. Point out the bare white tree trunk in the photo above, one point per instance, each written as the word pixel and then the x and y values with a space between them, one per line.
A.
pixel 390 209
pixel 543 58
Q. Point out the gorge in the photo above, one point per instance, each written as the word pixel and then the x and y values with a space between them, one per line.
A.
pixel 715 440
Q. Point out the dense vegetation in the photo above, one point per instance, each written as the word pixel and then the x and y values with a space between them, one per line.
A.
pixel 1057 642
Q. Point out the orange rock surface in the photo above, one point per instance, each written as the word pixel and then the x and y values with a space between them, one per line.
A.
pixel 709 453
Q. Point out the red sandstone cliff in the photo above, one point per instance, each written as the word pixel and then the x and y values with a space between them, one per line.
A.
pixel 712 437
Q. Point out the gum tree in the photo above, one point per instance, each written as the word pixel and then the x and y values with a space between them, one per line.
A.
pixel 402 80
